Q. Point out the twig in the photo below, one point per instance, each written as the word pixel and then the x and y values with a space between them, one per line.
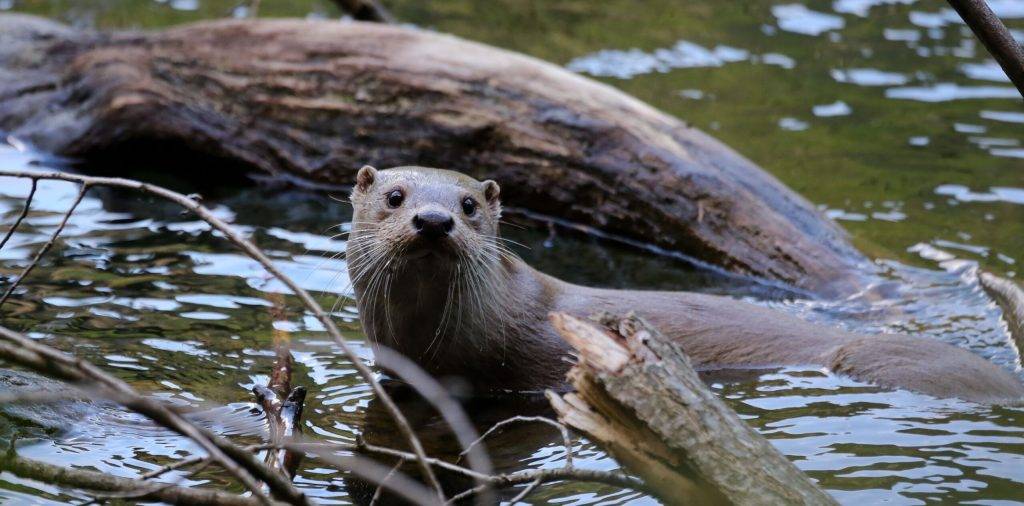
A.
pixel 144 491
pixel 198 459
pixel 253 252
pixel 504 480
pixel 46 247
pixel 46 360
pixel 562 473
pixel 429 389
pixel 365 10
pixel 380 488
pixel 21 217
pixel 91 480
pixel 367 469
pixel 526 491
pixel 991 31
pixel 539 419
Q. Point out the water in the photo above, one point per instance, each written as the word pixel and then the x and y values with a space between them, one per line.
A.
pixel 885 113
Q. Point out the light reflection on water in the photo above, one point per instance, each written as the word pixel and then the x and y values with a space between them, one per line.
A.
pixel 158 299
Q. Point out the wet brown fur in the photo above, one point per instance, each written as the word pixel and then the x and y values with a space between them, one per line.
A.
pixel 490 326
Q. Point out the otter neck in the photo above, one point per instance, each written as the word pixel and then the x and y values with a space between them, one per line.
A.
pixel 428 307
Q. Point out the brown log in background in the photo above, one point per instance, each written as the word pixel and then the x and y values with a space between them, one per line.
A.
pixel 638 396
pixel 315 100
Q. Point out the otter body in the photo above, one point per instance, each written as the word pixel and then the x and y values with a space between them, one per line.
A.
pixel 434 282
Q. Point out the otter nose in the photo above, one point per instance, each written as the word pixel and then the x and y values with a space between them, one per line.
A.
pixel 433 224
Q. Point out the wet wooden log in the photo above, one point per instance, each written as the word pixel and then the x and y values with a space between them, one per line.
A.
pixel 638 396
pixel 314 100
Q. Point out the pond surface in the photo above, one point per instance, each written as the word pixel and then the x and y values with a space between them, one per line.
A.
pixel 886 113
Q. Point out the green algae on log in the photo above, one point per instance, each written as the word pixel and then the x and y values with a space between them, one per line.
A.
pixel 316 100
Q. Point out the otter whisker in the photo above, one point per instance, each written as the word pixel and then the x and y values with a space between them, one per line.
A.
pixel 510 241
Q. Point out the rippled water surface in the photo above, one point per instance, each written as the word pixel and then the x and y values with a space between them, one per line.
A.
pixel 886 113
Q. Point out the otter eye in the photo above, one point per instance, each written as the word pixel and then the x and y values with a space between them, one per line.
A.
pixel 468 206
pixel 395 198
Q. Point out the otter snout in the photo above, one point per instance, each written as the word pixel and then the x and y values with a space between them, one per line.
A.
pixel 433 224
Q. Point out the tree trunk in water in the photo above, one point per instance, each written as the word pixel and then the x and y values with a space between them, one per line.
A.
pixel 315 100
pixel 639 398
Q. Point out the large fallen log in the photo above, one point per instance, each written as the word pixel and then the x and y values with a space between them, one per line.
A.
pixel 315 100
pixel 638 396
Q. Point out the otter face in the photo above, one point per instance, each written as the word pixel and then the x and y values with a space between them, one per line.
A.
pixel 425 258
pixel 414 213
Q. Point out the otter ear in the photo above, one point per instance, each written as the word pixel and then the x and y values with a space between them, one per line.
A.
pixel 365 177
pixel 491 191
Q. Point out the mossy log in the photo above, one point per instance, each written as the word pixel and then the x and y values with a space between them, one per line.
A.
pixel 638 396
pixel 313 101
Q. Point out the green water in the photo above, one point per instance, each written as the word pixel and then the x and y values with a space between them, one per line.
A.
pixel 926 180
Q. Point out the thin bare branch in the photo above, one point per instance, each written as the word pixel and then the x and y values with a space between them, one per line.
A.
pixel 526 491
pixel 46 247
pixel 991 31
pixel 144 490
pixel 504 480
pixel 92 480
pixel 380 488
pixel 196 460
pixel 49 361
pixel 21 217
pixel 253 252
pixel 430 390
pixel 566 440
pixel 370 470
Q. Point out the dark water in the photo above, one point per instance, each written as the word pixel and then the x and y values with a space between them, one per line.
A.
pixel 884 112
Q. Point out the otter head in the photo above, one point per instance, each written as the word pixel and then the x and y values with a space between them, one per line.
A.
pixel 416 213
pixel 423 254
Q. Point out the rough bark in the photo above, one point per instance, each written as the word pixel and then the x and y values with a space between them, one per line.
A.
pixel 639 397
pixel 315 100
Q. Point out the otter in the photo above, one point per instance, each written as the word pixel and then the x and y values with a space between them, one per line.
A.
pixel 435 281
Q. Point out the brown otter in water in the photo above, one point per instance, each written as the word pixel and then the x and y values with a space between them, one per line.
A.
pixel 434 281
